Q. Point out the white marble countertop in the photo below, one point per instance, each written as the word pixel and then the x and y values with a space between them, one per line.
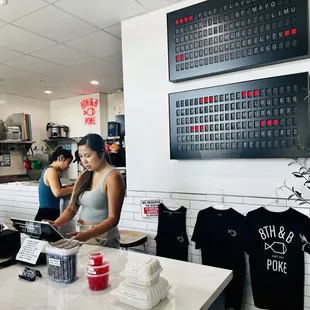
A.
pixel 64 181
pixel 193 286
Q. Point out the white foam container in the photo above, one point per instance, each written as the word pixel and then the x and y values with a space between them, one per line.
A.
pixel 143 297
pixel 143 271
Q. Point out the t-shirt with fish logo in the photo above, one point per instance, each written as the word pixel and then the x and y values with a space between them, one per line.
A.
pixel 220 236
pixel 275 243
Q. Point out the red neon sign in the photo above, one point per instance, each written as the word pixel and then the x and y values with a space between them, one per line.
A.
pixel 89 110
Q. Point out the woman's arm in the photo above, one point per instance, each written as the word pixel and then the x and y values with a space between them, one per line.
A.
pixel 71 210
pixel 115 189
pixel 53 182
pixel 65 217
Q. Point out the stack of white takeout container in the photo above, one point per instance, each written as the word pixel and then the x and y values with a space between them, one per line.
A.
pixel 143 288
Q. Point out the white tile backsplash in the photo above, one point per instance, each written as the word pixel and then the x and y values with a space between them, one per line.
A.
pixel 257 201
pixel 131 208
pixel 199 205
pixel 152 226
pixel 176 203
pixel 137 200
pixel 136 194
pixel 128 200
pixel 139 225
pixel 158 195
pixel 190 196
pixel 127 215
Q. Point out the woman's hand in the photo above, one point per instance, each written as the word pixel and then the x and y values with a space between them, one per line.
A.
pixel 53 223
pixel 69 185
pixel 48 221
pixel 80 236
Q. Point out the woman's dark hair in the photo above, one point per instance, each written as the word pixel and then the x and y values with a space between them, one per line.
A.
pixel 97 144
pixel 60 151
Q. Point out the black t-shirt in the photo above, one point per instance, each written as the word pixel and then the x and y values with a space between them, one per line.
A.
pixel 220 236
pixel 274 245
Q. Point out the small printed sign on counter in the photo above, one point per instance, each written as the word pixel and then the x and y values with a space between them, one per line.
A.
pixel 5 160
pixel 30 250
pixel 149 207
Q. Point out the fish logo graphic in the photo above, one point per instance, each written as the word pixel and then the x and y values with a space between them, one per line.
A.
pixel 276 247
pixel 232 232
pixel 180 238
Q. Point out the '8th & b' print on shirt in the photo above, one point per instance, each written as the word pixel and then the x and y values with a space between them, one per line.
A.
pixel 278 249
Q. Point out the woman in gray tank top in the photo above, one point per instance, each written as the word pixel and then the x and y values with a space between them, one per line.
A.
pixel 100 191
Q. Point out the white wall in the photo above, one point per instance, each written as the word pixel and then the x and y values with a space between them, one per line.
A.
pixel 248 184
pixel 40 115
pixel 38 109
pixel 69 112
pixel 115 105
pixel 104 114
pixel 145 67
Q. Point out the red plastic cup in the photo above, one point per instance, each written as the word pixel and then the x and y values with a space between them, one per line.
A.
pixel 104 268
pixel 95 259
pixel 98 282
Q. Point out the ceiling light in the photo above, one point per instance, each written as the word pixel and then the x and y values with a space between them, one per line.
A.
pixel 3 2
pixel 94 82
pixel 48 92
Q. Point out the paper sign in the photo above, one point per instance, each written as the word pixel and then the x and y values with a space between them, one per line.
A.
pixel 149 207
pixel 5 160
pixel 30 250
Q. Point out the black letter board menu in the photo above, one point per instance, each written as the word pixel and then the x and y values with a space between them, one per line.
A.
pixel 218 36
pixel 257 119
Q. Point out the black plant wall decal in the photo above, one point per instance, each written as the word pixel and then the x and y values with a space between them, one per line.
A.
pixel 302 172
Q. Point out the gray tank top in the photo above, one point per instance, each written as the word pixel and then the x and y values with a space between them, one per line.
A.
pixel 95 205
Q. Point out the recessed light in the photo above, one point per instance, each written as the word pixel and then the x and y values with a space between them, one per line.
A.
pixel 3 2
pixel 94 82
pixel 48 92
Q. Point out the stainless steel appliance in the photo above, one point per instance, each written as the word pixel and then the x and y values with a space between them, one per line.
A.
pixel 21 120
pixel 54 131
pixel 64 130
pixel 12 132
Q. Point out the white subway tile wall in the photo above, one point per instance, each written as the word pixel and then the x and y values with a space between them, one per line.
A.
pixel 22 201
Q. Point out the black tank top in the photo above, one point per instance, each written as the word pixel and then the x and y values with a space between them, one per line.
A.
pixel 172 241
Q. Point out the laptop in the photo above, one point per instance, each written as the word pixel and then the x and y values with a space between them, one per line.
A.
pixel 37 230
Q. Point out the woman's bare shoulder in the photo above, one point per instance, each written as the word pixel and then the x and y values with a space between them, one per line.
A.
pixel 114 178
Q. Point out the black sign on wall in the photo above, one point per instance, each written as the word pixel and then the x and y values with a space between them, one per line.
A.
pixel 256 119
pixel 218 36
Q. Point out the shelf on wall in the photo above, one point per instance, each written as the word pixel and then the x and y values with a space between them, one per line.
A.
pixel 114 138
pixel 52 143
pixel 16 142
pixel 21 145
pixel 77 139
pixel 62 140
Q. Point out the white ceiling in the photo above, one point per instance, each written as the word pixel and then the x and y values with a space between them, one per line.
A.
pixel 61 45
